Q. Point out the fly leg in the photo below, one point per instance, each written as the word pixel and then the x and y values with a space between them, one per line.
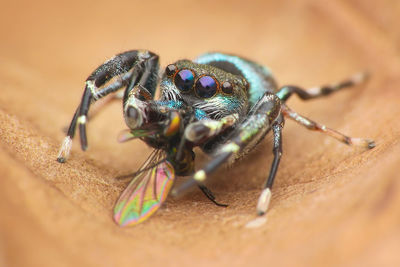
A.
pixel 210 195
pixel 199 132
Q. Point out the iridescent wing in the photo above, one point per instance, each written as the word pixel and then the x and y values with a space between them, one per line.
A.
pixel 146 192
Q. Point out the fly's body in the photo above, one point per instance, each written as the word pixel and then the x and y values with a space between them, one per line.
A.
pixel 221 103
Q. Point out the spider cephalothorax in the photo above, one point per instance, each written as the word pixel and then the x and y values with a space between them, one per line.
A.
pixel 221 103
pixel 214 92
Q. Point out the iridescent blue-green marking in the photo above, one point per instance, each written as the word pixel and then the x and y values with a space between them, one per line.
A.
pixel 172 104
pixel 232 103
pixel 200 114
pixel 283 93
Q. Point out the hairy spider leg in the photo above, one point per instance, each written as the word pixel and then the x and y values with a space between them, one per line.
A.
pixel 265 196
pixel 118 65
pixel 66 145
pixel 285 92
pixel 128 67
pixel 315 126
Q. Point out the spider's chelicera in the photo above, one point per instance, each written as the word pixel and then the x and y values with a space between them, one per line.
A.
pixel 221 103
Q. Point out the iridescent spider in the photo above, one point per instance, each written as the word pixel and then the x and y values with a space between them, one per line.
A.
pixel 222 103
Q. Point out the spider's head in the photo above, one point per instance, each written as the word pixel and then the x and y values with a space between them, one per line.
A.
pixel 210 90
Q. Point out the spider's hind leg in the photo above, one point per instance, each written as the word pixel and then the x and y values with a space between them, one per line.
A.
pixel 312 125
pixel 285 92
pixel 306 94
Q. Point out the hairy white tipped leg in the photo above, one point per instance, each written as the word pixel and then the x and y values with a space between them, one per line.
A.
pixel 65 149
pixel 263 201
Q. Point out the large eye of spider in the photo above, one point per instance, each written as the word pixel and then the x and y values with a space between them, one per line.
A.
pixel 170 70
pixel 206 87
pixel 184 80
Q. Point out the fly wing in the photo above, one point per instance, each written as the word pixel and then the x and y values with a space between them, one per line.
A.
pixel 146 192
pixel 128 134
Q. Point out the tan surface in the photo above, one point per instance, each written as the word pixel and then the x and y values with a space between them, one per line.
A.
pixel 332 205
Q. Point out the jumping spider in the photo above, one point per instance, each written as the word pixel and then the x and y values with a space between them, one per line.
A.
pixel 222 103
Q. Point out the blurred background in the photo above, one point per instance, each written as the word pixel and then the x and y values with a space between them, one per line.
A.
pixel 332 205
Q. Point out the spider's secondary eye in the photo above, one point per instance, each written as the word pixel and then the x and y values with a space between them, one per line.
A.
pixel 206 87
pixel 170 70
pixel 184 80
pixel 227 88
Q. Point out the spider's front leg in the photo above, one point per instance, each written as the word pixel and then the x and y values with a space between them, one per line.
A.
pixel 198 133
pixel 262 118
pixel 128 69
